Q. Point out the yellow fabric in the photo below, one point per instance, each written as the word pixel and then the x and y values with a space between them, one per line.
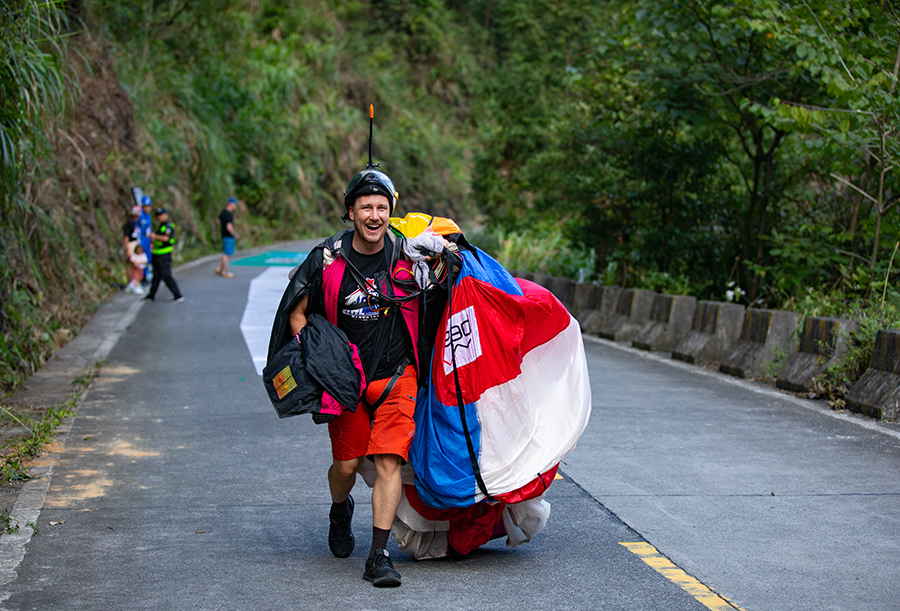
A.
pixel 415 223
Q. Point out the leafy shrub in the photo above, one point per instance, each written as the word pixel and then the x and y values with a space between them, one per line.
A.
pixel 836 382
pixel 663 282
pixel 536 251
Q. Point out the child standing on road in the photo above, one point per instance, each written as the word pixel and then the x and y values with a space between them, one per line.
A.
pixel 138 267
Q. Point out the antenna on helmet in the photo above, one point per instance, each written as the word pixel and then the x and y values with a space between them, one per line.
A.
pixel 371 165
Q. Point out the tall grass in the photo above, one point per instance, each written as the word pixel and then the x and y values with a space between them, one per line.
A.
pixel 37 83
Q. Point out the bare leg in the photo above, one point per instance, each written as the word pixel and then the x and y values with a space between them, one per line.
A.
pixel 387 490
pixel 342 477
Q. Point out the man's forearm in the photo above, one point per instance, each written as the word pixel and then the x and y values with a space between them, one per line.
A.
pixel 298 315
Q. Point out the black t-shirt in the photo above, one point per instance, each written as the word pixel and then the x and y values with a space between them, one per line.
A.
pixel 130 230
pixel 360 316
pixel 224 218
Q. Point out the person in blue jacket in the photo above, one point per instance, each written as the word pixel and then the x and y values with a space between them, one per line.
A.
pixel 145 227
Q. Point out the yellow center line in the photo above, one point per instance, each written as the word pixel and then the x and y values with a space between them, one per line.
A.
pixel 692 586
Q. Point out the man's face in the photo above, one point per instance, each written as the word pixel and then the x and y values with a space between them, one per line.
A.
pixel 146 208
pixel 162 218
pixel 371 216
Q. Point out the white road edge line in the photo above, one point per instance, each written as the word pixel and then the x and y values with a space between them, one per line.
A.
pixel 813 405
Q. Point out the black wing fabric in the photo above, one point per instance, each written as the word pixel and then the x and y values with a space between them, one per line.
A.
pixel 291 389
pixel 329 360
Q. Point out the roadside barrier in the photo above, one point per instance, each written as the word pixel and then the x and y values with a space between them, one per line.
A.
pixel 631 314
pixel 543 279
pixel 524 275
pixel 877 393
pixel 564 289
pixel 715 330
pixel 823 341
pixel 586 295
pixel 746 342
pixel 671 317
pixel 766 336
pixel 599 305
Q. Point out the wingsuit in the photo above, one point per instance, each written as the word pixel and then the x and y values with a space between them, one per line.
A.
pixel 316 372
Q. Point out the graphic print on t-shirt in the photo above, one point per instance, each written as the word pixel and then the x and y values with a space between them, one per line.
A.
pixel 361 306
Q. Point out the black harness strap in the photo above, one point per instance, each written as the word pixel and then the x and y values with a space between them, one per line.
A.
pixel 387 389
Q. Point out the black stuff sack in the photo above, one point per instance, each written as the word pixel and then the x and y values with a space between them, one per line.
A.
pixel 291 389
pixel 299 372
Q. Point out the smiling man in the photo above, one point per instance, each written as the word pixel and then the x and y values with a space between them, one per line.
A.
pixel 351 279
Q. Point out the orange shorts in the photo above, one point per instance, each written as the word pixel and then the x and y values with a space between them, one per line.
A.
pixel 390 431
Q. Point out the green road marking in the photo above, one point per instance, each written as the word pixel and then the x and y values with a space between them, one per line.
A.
pixel 275 258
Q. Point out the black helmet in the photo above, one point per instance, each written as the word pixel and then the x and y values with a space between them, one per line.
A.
pixel 370 182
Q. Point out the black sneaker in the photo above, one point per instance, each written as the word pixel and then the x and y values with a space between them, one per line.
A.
pixel 340 535
pixel 380 570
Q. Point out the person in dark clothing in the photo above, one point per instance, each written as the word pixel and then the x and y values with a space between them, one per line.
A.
pixel 226 221
pixel 163 244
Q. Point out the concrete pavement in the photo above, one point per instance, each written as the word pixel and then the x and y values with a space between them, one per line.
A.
pixel 177 487
pixel 777 502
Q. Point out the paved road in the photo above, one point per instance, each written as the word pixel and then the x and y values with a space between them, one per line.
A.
pixel 178 488
pixel 776 502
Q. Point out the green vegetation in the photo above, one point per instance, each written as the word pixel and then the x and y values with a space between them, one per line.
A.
pixel 38 432
pixel 10 524
pixel 269 100
pixel 743 141
pixel 743 150
pixel 26 433
pixel 48 283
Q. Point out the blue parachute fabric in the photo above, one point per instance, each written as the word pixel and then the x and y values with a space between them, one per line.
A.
pixel 482 266
pixel 444 475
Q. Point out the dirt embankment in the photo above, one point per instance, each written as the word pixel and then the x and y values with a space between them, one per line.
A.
pixel 61 270
pixel 97 154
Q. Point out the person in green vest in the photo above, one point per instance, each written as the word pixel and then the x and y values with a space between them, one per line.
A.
pixel 163 240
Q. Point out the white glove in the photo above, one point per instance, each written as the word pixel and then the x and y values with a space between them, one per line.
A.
pixel 425 246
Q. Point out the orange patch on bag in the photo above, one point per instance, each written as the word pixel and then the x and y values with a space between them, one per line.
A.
pixel 284 382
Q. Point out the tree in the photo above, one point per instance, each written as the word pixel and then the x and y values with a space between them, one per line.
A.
pixel 853 50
